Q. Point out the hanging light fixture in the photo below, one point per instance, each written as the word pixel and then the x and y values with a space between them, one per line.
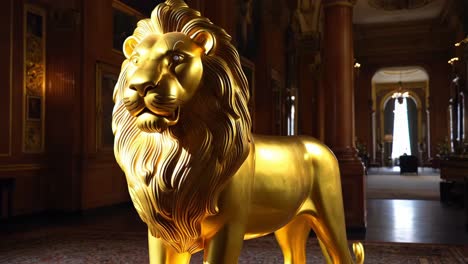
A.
pixel 399 95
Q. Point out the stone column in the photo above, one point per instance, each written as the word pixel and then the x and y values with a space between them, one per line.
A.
pixel 339 112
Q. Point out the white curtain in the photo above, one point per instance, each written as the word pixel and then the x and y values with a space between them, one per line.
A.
pixel 401 138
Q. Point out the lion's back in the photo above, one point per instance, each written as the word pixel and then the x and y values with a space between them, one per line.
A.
pixel 303 155
pixel 300 144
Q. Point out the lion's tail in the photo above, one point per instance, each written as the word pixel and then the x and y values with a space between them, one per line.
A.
pixel 358 250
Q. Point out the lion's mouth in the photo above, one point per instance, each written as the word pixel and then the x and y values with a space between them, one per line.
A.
pixel 158 120
pixel 169 115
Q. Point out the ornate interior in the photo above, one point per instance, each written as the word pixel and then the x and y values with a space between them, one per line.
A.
pixel 393 5
pixel 297 49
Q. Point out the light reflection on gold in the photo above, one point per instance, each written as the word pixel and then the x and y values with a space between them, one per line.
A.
pixel 197 176
pixel 314 149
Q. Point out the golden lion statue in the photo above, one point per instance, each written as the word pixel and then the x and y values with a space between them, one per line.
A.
pixel 197 176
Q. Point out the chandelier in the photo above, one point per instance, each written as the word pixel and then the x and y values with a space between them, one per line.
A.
pixel 399 95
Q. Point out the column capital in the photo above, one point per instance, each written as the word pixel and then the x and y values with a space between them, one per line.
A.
pixel 329 3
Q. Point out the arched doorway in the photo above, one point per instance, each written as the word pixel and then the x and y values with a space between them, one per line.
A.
pixel 413 117
pixel 413 82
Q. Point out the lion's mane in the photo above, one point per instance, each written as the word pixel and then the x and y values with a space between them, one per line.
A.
pixel 175 177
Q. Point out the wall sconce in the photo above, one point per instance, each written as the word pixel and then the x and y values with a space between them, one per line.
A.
pixel 357 65
pixel 463 41
pixel 452 61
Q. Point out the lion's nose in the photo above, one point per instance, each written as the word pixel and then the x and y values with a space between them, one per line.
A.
pixel 143 88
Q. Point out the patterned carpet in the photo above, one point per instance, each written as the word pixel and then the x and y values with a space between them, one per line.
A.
pixel 98 246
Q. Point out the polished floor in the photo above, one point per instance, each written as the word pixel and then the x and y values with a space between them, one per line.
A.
pixel 415 221
pixel 409 221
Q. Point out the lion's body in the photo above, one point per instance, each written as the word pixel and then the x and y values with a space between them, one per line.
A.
pixel 197 176
pixel 286 171
pixel 286 182
pixel 281 177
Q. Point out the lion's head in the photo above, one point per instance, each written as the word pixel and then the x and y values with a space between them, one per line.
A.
pixel 180 120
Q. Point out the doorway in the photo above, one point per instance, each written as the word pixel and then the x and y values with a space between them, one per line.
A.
pixel 409 84
pixel 404 139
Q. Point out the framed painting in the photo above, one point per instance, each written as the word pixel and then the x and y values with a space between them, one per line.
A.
pixel 106 78
pixel 34 108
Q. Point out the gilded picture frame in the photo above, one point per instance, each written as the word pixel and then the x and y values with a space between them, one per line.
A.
pixel 106 78
pixel 34 78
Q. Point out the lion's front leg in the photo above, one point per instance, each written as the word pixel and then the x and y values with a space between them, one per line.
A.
pixel 159 253
pixel 225 247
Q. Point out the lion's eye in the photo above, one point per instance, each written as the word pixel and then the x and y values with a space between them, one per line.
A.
pixel 177 58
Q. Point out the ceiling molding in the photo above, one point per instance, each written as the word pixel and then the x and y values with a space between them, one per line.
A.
pixel 365 13
pixel 393 5
pixel 377 60
pixel 407 74
pixel 399 28
pixel 402 38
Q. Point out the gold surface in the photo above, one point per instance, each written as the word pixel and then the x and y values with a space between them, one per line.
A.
pixel 196 175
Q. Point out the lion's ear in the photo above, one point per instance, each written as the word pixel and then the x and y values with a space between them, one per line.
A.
pixel 129 45
pixel 205 40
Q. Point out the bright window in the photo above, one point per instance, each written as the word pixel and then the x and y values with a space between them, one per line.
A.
pixel 291 116
pixel 401 139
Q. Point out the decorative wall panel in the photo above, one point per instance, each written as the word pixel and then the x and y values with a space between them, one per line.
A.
pixel 34 78
pixel 124 20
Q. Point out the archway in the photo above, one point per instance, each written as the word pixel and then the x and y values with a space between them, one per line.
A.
pixel 413 118
pixel 414 82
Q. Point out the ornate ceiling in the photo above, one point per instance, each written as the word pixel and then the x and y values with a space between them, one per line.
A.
pixel 389 11
pixel 391 5
pixel 403 74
